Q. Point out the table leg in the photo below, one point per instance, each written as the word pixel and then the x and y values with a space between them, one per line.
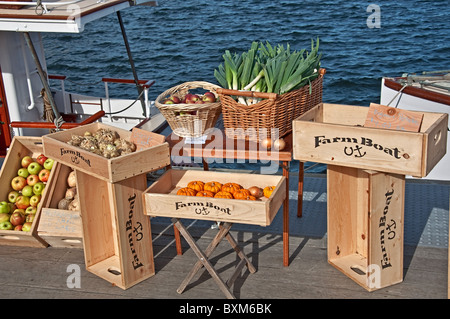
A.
pixel 301 176
pixel 286 217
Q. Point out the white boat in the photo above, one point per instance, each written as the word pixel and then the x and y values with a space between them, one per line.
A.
pixel 29 105
pixel 428 92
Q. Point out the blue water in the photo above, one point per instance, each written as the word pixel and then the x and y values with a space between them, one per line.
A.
pixel 181 41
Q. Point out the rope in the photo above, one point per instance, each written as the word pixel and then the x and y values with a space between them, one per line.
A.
pixel 39 10
pixel 120 111
pixel 399 91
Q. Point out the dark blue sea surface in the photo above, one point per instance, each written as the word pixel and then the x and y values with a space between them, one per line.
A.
pixel 181 41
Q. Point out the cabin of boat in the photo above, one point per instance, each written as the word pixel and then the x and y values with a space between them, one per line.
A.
pixel 28 105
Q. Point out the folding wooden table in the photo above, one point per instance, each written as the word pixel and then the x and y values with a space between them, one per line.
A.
pixel 218 146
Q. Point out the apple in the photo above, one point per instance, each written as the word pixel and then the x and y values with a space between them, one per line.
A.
pixel 27 190
pixel 22 202
pixel 6 225
pixel 168 101
pixel 48 164
pixel 23 172
pixel 26 226
pixel 29 218
pixel 32 179
pixel 18 182
pixel 209 97
pixel 31 210
pixel 43 175
pixel 38 188
pixel 4 217
pixel 41 159
pixel 34 200
pixel 4 207
pixel 13 206
pixel 192 98
pixel 26 160
pixel 12 196
pixel 199 102
pixel 17 217
pixel 34 168
pixel 18 227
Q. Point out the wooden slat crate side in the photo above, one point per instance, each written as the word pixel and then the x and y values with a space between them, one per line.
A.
pixel 111 170
pixel 61 228
pixel 135 246
pixel 435 141
pixel 97 220
pixel 387 196
pixel 334 134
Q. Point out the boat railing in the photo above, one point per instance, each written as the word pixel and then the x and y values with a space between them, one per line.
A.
pixel 144 84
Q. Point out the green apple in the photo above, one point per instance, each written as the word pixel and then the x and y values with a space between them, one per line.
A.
pixel 4 207
pixel 4 217
pixel 34 168
pixel 23 172
pixel 6 225
pixel 12 196
pixel 38 188
pixel 26 226
pixel 31 210
pixel 27 191
pixel 48 164
pixel 34 200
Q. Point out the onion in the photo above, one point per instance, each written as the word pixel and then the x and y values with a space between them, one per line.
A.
pixel 279 144
pixel 256 191
pixel 266 143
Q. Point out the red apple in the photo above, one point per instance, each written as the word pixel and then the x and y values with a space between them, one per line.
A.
pixel 22 202
pixel 26 160
pixel 32 179
pixel 199 102
pixel 17 217
pixel 18 227
pixel 41 159
pixel 192 98
pixel 26 226
pixel 18 182
pixel 209 97
pixel 43 175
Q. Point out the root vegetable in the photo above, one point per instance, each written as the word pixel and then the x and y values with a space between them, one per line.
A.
pixel 71 192
pixel 75 204
pixel 64 203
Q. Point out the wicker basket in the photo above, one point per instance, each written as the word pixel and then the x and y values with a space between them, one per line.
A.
pixel 272 117
pixel 189 120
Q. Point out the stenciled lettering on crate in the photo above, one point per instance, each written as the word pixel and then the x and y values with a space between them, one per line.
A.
pixel 134 227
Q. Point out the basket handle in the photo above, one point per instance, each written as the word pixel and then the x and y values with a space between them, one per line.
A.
pixel 262 95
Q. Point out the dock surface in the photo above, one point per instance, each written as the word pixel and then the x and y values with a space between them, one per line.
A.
pixel 45 273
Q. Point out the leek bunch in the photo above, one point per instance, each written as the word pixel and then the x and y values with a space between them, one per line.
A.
pixel 267 68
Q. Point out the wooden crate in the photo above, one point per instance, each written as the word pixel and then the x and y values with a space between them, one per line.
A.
pixel 20 147
pixel 117 238
pixel 160 198
pixel 334 134
pixel 365 225
pixel 152 153
pixel 59 227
